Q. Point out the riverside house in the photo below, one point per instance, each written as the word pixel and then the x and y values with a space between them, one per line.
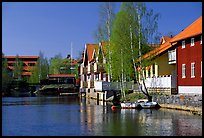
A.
pixel 93 77
pixel 189 58
pixel 177 63
pixel 160 75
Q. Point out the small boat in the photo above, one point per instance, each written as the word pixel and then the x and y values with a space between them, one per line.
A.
pixel 130 105
pixel 145 104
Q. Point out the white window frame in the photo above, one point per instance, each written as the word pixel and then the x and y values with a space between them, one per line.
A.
pixel 192 41
pixel 97 77
pixel 104 76
pixel 183 44
pixel 89 77
pixel 183 70
pixel 201 39
pixel 193 70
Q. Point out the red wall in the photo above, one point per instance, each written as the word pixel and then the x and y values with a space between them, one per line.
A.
pixel 186 56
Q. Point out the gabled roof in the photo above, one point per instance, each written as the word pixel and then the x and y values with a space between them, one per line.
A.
pixel 192 30
pixel 90 50
pixel 165 39
pixel 158 50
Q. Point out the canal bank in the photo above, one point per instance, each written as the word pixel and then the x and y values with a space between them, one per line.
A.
pixel 186 102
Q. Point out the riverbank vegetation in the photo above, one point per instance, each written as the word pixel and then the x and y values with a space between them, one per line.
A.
pixel 13 79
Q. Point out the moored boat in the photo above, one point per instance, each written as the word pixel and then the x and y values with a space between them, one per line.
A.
pixel 145 104
pixel 129 105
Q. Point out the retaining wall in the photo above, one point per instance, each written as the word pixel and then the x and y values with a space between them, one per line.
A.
pixel 188 102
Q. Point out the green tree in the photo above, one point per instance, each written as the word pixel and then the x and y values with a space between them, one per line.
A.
pixel 18 69
pixel 40 70
pixel 121 62
pixel 6 77
pixel 146 32
pixel 103 34
pixel 134 28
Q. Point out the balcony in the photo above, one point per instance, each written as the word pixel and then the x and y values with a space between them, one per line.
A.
pixel 172 56
pixel 98 67
pixel 82 70
pixel 83 84
pixel 90 69
pixel 90 84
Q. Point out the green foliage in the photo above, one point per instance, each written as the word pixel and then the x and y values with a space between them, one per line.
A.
pixel 6 78
pixel 121 59
pixel 18 69
pixel 40 70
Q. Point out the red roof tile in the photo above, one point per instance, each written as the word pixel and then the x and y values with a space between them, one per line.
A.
pixel 90 50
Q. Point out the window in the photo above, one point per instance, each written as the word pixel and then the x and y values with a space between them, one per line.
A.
pixel 183 70
pixel 104 77
pixel 183 44
pixel 192 41
pixel 201 39
pixel 97 77
pixel 193 70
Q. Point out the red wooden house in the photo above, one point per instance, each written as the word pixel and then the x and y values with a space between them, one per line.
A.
pixel 189 58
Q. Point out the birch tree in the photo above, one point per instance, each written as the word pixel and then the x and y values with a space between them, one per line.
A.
pixel 120 46
pixel 146 32
pixel 103 34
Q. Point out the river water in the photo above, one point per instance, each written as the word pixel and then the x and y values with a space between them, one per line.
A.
pixel 74 116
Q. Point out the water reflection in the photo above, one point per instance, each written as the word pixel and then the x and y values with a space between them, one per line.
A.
pixel 74 116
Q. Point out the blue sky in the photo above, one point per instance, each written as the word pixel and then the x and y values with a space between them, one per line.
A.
pixel 51 27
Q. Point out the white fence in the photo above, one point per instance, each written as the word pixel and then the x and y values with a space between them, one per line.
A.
pixel 106 86
pixel 161 82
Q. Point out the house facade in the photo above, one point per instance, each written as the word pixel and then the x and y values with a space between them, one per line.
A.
pixel 160 75
pixel 177 63
pixel 189 58
pixel 94 80
pixel 28 63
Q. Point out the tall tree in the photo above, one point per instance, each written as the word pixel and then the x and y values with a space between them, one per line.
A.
pixel 134 28
pixel 120 46
pixel 146 30
pixel 18 68
pixel 40 70
pixel 103 33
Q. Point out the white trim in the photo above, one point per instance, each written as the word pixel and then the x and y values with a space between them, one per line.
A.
pixel 183 74
pixel 190 89
pixel 192 41
pixel 193 70
pixel 183 45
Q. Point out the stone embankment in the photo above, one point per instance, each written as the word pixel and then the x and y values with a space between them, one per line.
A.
pixel 187 102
